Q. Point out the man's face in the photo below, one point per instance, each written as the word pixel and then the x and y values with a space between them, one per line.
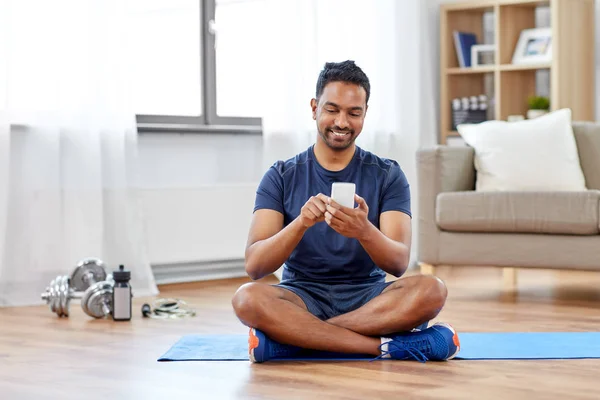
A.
pixel 340 113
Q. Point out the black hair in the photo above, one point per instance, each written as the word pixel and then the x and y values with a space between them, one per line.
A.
pixel 345 71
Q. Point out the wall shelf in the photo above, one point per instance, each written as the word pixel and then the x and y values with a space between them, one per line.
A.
pixel 513 67
pixel 471 70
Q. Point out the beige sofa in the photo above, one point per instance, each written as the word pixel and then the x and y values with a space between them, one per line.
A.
pixel 462 227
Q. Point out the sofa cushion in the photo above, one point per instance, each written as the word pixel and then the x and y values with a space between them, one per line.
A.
pixel 587 136
pixel 574 213
pixel 534 155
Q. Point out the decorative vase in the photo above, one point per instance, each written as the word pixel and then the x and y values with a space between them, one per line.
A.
pixel 535 113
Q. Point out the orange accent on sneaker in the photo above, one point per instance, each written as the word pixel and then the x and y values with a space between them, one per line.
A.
pixel 252 341
pixel 456 340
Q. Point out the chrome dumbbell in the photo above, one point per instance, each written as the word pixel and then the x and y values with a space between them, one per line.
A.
pixel 90 277
pixel 88 272
pixel 88 282
pixel 59 294
pixel 97 300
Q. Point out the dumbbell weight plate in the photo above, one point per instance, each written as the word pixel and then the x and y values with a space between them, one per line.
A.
pixel 55 304
pixel 64 295
pixel 52 295
pixel 80 278
pixel 97 300
pixel 58 295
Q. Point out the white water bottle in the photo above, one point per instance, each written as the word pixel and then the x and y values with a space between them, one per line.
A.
pixel 121 295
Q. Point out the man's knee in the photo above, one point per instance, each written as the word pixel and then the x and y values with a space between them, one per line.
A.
pixel 248 302
pixel 433 294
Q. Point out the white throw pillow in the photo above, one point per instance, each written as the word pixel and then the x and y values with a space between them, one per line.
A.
pixel 539 154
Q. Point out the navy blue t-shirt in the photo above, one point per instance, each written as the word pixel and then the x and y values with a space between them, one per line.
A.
pixel 323 254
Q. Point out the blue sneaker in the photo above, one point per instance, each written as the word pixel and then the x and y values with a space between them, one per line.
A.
pixel 436 343
pixel 261 348
pixel 421 327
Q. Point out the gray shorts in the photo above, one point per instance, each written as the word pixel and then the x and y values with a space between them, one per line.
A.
pixel 326 300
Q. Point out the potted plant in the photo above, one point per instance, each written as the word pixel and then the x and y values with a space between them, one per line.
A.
pixel 538 105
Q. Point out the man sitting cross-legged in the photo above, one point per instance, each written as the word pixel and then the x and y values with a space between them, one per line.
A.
pixel 333 295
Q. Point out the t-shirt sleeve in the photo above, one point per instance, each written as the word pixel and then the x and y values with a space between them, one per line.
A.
pixel 269 193
pixel 396 191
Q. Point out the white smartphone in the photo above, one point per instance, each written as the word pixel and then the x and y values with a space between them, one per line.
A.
pixel 343 193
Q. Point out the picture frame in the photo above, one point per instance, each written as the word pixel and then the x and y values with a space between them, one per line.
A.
pixel 534 47
pixel 482 55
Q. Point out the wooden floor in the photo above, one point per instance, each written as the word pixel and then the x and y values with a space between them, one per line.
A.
pixel 42 356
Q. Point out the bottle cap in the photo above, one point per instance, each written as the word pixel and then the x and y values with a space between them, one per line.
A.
pixel 121 275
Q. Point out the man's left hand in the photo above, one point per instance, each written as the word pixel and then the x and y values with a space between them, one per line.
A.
pixel 350 222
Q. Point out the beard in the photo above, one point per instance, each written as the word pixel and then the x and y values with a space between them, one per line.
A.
pixel 335 141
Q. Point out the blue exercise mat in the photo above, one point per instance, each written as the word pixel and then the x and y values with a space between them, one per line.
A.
pixel 474 346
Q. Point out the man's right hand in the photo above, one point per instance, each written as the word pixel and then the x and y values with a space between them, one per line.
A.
pixel 270 243
pixel 313 210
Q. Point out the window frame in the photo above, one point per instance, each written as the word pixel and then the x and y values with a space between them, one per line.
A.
pixel 209 121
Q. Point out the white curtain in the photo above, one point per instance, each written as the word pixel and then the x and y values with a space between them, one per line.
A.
pixel 67 146
pixel 393 41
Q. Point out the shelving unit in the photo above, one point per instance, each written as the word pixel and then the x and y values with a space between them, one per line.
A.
pixel 571 71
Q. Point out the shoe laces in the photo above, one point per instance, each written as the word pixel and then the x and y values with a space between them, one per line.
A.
pixel 416 348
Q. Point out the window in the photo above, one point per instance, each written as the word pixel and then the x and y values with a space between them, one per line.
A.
pixel 194 64
pixel 239 44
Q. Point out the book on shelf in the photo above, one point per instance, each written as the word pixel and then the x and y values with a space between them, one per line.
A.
pixel 462 43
